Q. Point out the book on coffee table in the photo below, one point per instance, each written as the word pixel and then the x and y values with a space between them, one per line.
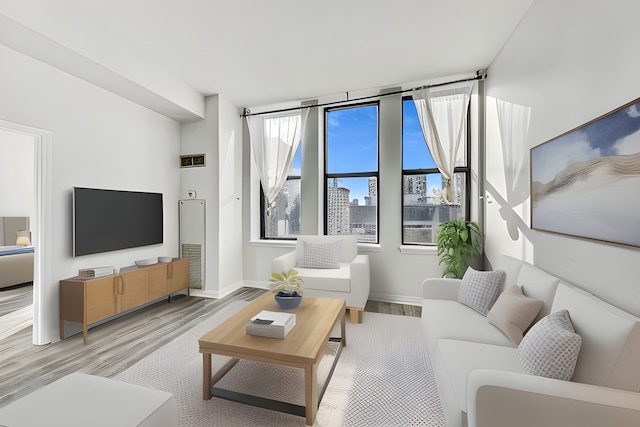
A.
pixel 273 324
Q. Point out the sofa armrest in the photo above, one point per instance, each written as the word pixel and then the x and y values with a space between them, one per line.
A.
pixel 506 399
pixel 284 262
pixel 360 280
pixel 438 288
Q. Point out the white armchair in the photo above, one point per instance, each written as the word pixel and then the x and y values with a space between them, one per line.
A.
pixel 332 268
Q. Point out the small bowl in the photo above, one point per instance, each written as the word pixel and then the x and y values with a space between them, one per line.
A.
pixel 148 261
pixel 165 259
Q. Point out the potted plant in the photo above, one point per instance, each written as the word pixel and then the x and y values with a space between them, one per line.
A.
pixel 288 287
pixel 457 245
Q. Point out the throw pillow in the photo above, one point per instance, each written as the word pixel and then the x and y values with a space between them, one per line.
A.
pixel 320 255
pixel 479 289
pixel 550 348
pixel 513 313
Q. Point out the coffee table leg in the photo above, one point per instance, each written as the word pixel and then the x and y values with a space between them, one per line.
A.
pixel 343 329
pixel 206 376
pixel 311 393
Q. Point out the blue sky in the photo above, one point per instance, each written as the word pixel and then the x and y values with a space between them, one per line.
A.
pixel 353 144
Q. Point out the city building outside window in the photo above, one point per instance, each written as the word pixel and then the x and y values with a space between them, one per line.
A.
pixel 423 208
pixel 351 171
pixel 281 220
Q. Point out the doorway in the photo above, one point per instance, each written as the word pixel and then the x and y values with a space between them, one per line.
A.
pixel 43 292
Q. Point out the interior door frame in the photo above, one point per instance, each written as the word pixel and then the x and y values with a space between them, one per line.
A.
pixel 43 290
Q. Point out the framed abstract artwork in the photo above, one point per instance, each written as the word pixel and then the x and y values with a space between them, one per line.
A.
pixel 586 182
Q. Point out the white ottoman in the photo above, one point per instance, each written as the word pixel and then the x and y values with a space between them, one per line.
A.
pixel 81 400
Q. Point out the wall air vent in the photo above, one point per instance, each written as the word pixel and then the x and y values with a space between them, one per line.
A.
pixel 192 160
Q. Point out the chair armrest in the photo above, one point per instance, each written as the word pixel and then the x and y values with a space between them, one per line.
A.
pixel 438 288
pixel 360 280
pixel 506 399
pixel 284 262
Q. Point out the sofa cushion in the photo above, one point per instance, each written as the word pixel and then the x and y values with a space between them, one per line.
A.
pixel 513 313
pixel 610 339
pixel 538 284
pixel 479 289
pixel 335 279
pixel 319 254
pixel 450 319
pixel 550 349
pixel 511 267
pixel 455 359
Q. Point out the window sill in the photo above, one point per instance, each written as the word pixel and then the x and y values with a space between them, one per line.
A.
pixel 364 247
pixel 418 250
pixel 273 243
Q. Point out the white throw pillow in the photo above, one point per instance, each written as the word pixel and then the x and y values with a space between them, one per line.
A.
pixel 320 255
pixel 550 348
pixel 479 289
pixel 513 313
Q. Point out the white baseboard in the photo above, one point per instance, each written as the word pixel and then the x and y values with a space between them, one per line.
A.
pixel 396 299
pixel 216 294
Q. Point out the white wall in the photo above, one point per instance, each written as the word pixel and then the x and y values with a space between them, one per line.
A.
pixel 567 63
pixel 16 174
pixel 99 140
pixel 219 183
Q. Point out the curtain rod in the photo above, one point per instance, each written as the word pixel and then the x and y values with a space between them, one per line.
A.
pixel 480 75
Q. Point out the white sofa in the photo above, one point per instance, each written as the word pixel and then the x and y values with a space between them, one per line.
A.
pixel 350 280
pixel 81 400
pixel 477 369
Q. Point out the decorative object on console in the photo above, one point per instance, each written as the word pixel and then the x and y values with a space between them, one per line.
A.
pixel 479 289
pixel 96 272
pixel 165 259
pixel 457 246
pixel 565 181
pixel 289 288
pixel 148 261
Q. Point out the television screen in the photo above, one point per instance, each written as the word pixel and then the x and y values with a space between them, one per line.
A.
pixel 108 220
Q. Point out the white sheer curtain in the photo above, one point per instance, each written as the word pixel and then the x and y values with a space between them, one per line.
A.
pixel 275 139
pixel 442 112
pixel 513 121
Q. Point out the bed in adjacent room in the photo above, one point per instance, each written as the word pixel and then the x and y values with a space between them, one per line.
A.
pixel 16 265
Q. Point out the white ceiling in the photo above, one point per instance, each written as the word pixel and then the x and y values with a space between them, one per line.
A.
pixel 264 52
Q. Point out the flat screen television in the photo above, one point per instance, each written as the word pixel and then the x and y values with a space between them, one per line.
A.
pixel 109 220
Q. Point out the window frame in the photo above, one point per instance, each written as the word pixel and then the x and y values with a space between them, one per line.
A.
pixel 328 175
pixel 466 170
pixel 263 225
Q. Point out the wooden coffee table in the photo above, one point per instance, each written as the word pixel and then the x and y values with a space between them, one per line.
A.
pixel 302 348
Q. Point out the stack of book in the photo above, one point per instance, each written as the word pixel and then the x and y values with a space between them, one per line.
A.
pixel 95 272
pixel 271 324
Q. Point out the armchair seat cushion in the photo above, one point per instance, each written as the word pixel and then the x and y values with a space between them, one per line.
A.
pixel 333 280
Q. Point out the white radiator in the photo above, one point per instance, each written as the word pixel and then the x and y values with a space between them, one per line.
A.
pixel 192 240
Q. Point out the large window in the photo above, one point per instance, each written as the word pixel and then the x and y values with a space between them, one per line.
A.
pixel 423 208
pixel 281 220
pixel 351 171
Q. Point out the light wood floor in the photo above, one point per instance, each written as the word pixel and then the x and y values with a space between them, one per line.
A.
pixel 118 344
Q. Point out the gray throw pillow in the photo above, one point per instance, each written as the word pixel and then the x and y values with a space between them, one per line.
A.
pixel 550 348
pixel 320 255
pixel 479 289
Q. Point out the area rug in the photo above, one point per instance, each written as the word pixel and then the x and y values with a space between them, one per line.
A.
pixel 383 378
